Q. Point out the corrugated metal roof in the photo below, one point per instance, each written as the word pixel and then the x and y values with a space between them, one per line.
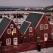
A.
pixel 24 27
pixel 34 18
pixel 4 23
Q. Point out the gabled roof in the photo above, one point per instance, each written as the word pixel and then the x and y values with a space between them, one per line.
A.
pixel 3 25
pixel 34 19
pixel 24 26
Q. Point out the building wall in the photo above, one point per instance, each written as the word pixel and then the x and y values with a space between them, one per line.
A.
pixel 6 35
pixel 41 31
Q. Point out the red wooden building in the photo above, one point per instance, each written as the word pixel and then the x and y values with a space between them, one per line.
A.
pixel 37 26
pixel 34 33
pixel 8 34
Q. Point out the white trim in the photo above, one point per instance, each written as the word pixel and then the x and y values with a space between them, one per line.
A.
pixel 5 29
pixel 39 21
pixel 11 26
pixel 8 41
pixel 28 26
pixel 45 26
pixel 39 12
pixel 45 36
pixel 41 26
pixel 30 29
pixel 8 31
pixel 14 31
pixel 28 22
pixel 20 12
pixel 15 41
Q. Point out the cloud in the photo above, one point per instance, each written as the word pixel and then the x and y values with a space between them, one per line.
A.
pixel 27 3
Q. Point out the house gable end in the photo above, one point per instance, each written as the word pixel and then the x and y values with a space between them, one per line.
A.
pixel 12 28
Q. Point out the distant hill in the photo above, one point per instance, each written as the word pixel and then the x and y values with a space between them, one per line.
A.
pixel 49 6
pixel 41 9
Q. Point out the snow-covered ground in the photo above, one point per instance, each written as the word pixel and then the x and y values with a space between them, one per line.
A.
pixel 45 50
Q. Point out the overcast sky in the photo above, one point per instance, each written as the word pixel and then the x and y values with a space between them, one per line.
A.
pixel 26 3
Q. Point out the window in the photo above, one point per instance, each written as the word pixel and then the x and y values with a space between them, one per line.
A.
pixel 45 36
pixel 41 26
pixel 14 31
pixel 15 41
pixel 11 26
pixel 8 41
pixel 30 29
pixel 18 26
pixel 46 26
pixel 8 31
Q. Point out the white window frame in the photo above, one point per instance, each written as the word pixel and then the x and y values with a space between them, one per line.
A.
pixel 8 41
pixel 45 36
pixel 15 41
pixel 41 26
pixel 11 26
pixel 9 31
pixel 18 26
pixel 14 31
pixel 45 26
pixel 30 29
